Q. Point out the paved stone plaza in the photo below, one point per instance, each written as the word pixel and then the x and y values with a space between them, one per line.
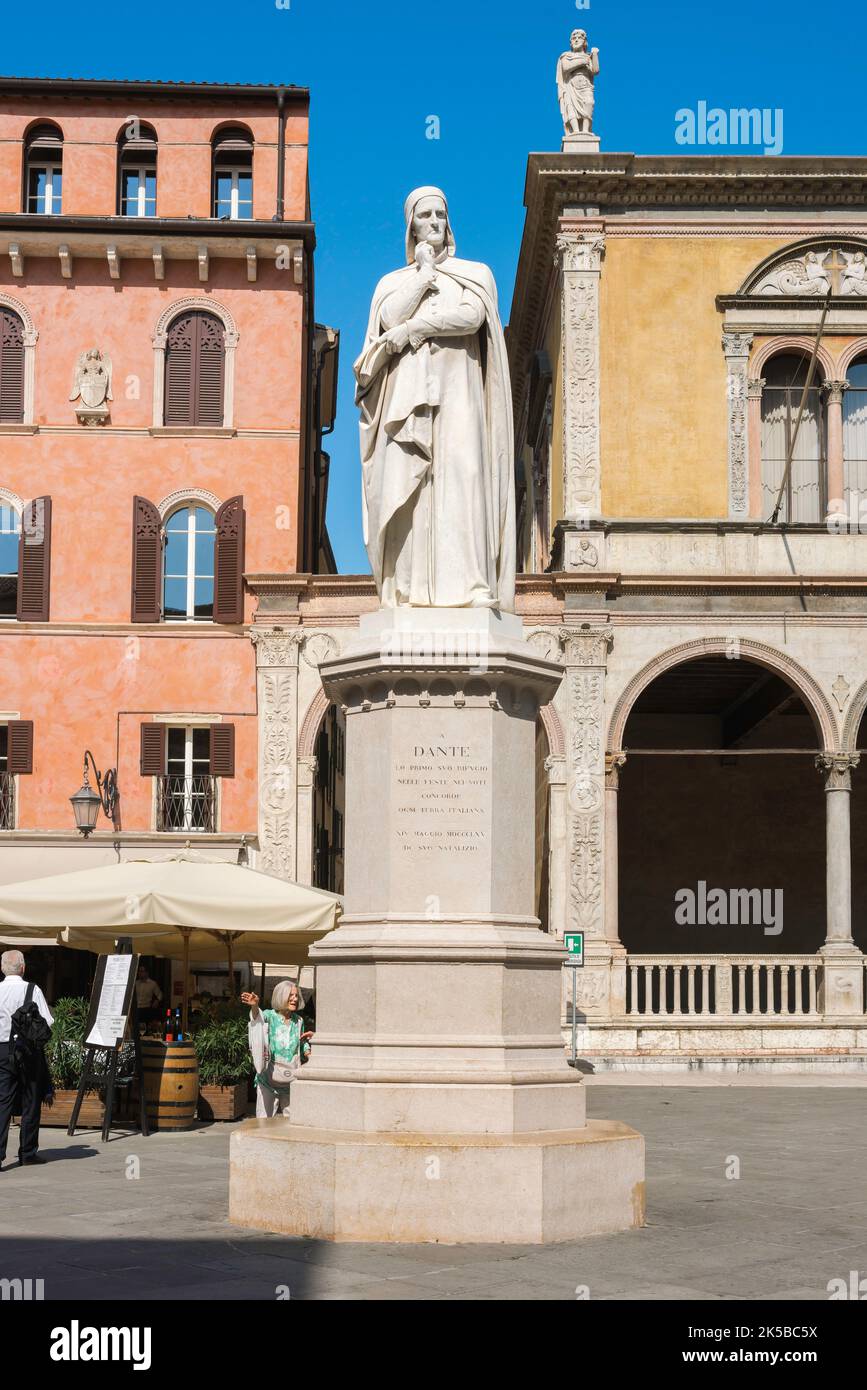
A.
pixel 796 1217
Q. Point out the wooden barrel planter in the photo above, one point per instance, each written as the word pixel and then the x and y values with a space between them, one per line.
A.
pixel 171 1082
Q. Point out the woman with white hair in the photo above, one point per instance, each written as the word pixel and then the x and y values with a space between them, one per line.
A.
pixel 279 1045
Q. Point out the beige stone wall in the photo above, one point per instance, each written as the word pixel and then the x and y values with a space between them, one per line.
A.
pixel 663 372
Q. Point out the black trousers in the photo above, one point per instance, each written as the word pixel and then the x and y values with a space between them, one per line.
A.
pixel 31 1101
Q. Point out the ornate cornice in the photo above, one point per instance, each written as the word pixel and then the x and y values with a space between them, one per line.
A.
pixel 607 189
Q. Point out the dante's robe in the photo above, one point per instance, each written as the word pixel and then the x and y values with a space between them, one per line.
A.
pixel 437 447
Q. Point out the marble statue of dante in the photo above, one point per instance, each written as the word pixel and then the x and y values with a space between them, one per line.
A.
pixel 437 437
pixel 576 71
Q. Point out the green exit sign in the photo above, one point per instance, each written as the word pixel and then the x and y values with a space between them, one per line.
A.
pixel 574 941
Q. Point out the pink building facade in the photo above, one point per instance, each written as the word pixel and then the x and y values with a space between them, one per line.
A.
pixel 163 391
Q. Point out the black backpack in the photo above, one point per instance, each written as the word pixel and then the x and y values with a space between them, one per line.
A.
pixel 30 1032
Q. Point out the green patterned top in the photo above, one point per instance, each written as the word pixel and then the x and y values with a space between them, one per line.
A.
pixel 284 1039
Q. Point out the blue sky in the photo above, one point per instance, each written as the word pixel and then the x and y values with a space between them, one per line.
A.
pixel 378 70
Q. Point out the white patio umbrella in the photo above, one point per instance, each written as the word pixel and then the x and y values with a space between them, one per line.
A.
pixel 185 908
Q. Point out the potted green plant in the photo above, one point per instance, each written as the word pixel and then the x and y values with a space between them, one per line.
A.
pixel 224 1068
pixel 65 1057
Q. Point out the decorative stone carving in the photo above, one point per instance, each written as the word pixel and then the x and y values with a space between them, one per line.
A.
pixel 613 763
pixel 817 272
pixel 319 647
pixel 840 690
pixel 585 650
pixel 736 347
pixel 277 646
pixel 277 652
pixel 546 642
pixel 576 75
pixel 837 769
pixel 581 553
pixel 91 384
pixel 580 256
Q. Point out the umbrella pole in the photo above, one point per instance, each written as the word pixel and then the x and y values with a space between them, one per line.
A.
pixel 231 970
pixel 186 1004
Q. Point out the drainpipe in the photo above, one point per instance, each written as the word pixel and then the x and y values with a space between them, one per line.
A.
pixel 281 155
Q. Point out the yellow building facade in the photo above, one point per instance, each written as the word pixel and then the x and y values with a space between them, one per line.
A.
pixel 688 344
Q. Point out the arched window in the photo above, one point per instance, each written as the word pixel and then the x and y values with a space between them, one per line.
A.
pixel 804 496
pixel 855 436
pixel 11 367
pixel 195 370
pixel 44 170
pixel 233 173
pixel 137 171
pixel 10 537
pixel 188 565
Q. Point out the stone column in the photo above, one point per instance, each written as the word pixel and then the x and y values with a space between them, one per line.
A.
pixel 755 387
pixel 579 256
pixel 277 651
pixel 617 1004
pixel 842 990
pixel 555 766
pixel 836 473
pixel 306 783
pixel 585 653
pixel 736 347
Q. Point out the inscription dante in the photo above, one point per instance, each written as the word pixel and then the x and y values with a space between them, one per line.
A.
pixel 442 800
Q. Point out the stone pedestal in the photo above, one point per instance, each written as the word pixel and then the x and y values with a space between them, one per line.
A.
pixel 439 1104
pixel 586 143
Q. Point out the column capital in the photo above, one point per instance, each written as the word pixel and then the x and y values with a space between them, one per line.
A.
pixel 755 387
pixel 737 344
pixel 587 645
pixel 837 769
pixel 277 646
pixel 555 766
pixel 580 250
pixel 613 763
pixel 834 391
pixel 307 771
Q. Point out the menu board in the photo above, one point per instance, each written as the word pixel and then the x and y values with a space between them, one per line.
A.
pixel 111 1000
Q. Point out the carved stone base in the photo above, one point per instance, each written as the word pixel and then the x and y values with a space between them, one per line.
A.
pixel 92 415
pixel 587 143
pixel 529 1189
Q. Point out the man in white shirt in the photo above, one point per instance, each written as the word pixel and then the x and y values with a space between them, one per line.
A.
pixel 148 996
pixel 13 992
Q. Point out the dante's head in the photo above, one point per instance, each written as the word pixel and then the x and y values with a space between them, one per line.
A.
pixel 579 40
pixel 427 220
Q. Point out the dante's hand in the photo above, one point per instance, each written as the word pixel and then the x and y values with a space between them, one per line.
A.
pixel 397 338
pixel 425 255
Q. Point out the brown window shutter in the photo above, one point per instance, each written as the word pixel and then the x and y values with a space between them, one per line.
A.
pixel 153 750
pixel 34 562
pixel 11 367
pixel 222 750
pixel 229 562
pixel 20 747
pixel 147 562
pixel 210 366
pixel 195 370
